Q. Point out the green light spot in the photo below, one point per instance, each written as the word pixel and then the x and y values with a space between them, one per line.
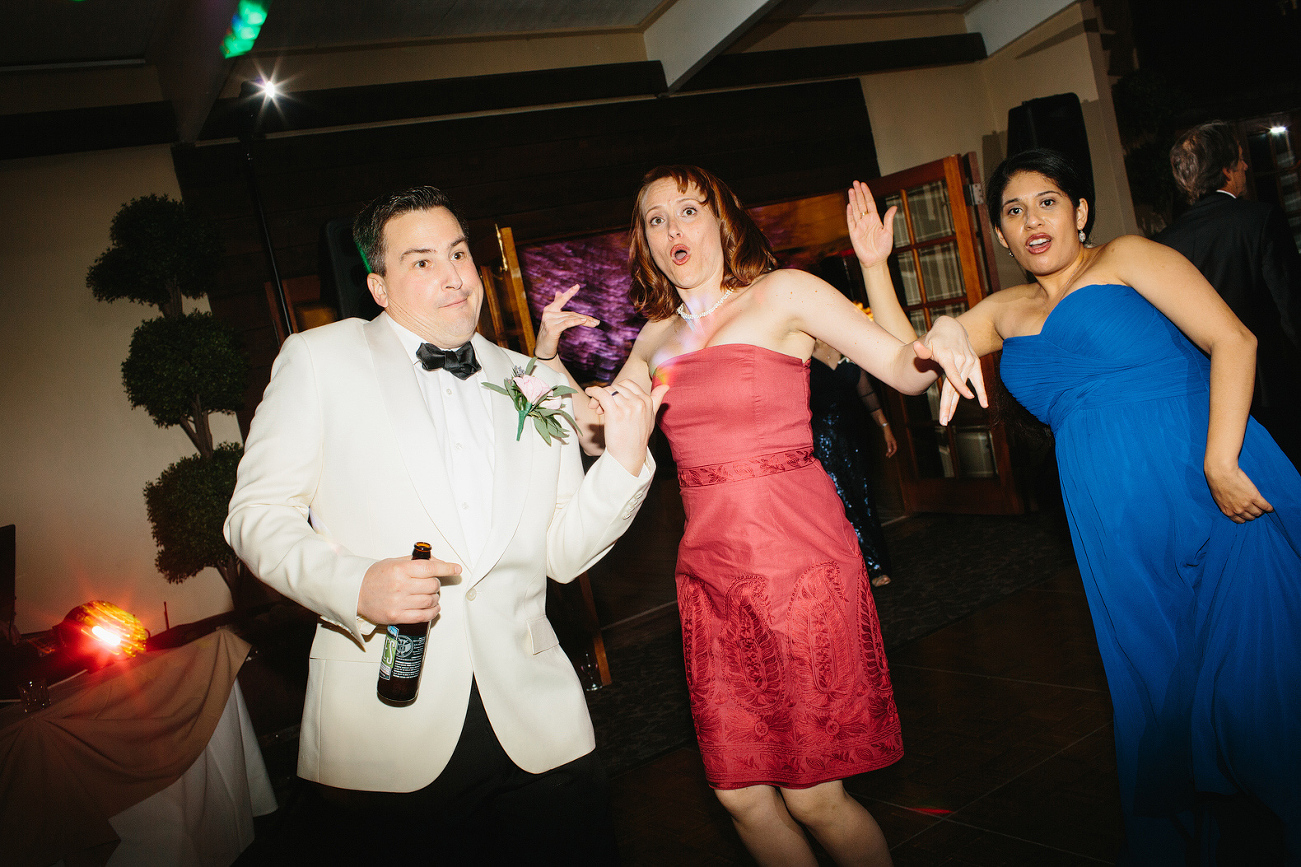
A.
pixel 244 28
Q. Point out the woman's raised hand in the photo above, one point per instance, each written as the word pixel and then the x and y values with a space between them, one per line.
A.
pixel 948 345
pixel 871 234
pixel 556 320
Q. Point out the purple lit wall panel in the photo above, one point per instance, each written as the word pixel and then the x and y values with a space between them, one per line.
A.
pixel 599 263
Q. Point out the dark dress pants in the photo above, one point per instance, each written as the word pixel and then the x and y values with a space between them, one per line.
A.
pixel 483 809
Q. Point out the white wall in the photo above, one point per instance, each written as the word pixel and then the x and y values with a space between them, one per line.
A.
pixel 74 455
pixel 925 114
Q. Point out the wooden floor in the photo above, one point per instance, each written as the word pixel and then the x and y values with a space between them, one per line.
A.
pixel 1008 752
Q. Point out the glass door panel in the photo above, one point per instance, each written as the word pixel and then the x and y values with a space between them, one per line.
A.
pixel 928 210
pixel 942 272
pixel 908 280
pixel 901 236
pixel 964 466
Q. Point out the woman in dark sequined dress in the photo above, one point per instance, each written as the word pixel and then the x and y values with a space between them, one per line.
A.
pixel 843 403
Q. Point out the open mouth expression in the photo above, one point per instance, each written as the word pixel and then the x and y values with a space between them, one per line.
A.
pixel 682 232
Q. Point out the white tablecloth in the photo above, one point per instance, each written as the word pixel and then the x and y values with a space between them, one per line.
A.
pixel 204 819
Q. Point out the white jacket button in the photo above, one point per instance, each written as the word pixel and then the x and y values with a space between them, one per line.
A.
pixel 469 596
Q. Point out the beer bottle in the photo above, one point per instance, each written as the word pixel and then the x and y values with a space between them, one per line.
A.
pixel 404 654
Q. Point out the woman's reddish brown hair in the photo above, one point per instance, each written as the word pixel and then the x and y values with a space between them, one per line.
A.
pixel 746 252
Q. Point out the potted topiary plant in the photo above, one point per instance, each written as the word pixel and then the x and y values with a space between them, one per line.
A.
pixel 181 368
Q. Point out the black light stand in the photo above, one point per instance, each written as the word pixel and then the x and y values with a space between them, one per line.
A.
pixel 253 102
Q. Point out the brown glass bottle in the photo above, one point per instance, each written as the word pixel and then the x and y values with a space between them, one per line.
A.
pixel 404 654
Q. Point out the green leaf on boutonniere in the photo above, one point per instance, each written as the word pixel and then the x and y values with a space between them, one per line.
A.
pixel 544 417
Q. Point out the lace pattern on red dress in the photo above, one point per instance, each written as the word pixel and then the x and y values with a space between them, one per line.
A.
pixel 750 468
pixel 788 704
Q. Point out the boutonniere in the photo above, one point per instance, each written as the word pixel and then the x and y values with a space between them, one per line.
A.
pixel 530 394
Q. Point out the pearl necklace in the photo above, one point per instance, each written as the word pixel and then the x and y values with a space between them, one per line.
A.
pixel 692 317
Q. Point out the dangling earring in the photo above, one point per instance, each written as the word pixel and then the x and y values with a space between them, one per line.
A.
pixel 1009 252
pixel 1082 236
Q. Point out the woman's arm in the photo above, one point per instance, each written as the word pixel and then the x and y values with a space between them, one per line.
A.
pixel 813 307
pixel 1176 288
pixel 635 373
pixel 873 239
pixel 868 396
pixel 556 320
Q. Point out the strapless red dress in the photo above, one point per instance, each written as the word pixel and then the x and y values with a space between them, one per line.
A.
pixel 785 665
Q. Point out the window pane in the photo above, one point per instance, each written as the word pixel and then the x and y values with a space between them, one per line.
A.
pixel 942 272
pixel 954 310
pixel 912 291
pixel 918 318
pixel 929 206
pixel 895 200
pixel 930 440
pixel 975 454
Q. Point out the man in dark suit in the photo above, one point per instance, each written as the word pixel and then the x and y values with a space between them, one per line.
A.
pixel 1246 250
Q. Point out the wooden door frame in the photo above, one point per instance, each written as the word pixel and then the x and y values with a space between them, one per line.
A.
pixel 1000 494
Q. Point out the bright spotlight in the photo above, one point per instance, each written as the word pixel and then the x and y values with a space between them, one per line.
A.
pixel 1278 130
pixel 270 90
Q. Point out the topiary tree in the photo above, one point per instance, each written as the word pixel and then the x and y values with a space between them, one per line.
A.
pixel 181 368
pixel 187 507
pixel 160 254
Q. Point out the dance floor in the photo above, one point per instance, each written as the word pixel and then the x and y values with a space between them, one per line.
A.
pixel 1006 720
pixel 1008 751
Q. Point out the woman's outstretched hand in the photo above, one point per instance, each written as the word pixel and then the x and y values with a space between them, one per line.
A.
pixel 556 320
pixel 871 234
pixel 628 412
pixel 948 346
pixel 1236 494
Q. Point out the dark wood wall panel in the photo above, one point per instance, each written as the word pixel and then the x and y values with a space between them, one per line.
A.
pixel 546 174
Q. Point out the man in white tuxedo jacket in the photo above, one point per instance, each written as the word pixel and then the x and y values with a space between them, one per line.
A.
pixel 357 451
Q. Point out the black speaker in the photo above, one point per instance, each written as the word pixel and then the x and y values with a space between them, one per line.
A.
pixel 343 272
pixel 8 574
pixel 1055 122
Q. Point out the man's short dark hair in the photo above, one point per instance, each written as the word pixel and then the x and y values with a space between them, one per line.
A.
pixel 1201 156
pixel 368 227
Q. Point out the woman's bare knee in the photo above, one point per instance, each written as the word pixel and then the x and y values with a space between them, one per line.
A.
pixel 816 804
pixel 749 802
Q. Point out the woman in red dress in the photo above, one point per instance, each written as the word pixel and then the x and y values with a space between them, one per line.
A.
pixel 790 691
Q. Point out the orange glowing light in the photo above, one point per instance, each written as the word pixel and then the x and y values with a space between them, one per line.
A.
pixel 112 639
pixel 114 630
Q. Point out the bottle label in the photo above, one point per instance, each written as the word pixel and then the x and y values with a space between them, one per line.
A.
pixel 408 654
pixel 390 654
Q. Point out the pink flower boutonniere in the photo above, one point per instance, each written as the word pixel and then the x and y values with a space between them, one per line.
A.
pixel 530 394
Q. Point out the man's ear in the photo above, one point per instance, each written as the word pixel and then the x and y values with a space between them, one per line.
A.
pixel 375 283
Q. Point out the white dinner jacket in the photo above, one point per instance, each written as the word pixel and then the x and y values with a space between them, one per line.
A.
pixel 342 468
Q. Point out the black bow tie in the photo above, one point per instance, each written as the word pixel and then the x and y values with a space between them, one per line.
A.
pixel 460 363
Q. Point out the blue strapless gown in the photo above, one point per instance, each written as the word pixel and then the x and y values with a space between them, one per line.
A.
pixel 1198 618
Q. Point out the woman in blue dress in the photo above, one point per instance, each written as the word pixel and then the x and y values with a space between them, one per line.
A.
pixel 1184 514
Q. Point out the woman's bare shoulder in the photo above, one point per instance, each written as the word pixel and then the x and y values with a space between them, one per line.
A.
pixel 1012 297
pixel 785 287
pixel 1124 258
pixel 1126 248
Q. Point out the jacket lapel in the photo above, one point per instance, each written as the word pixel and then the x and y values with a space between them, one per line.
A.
pixel 512 460
pixel 413 430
